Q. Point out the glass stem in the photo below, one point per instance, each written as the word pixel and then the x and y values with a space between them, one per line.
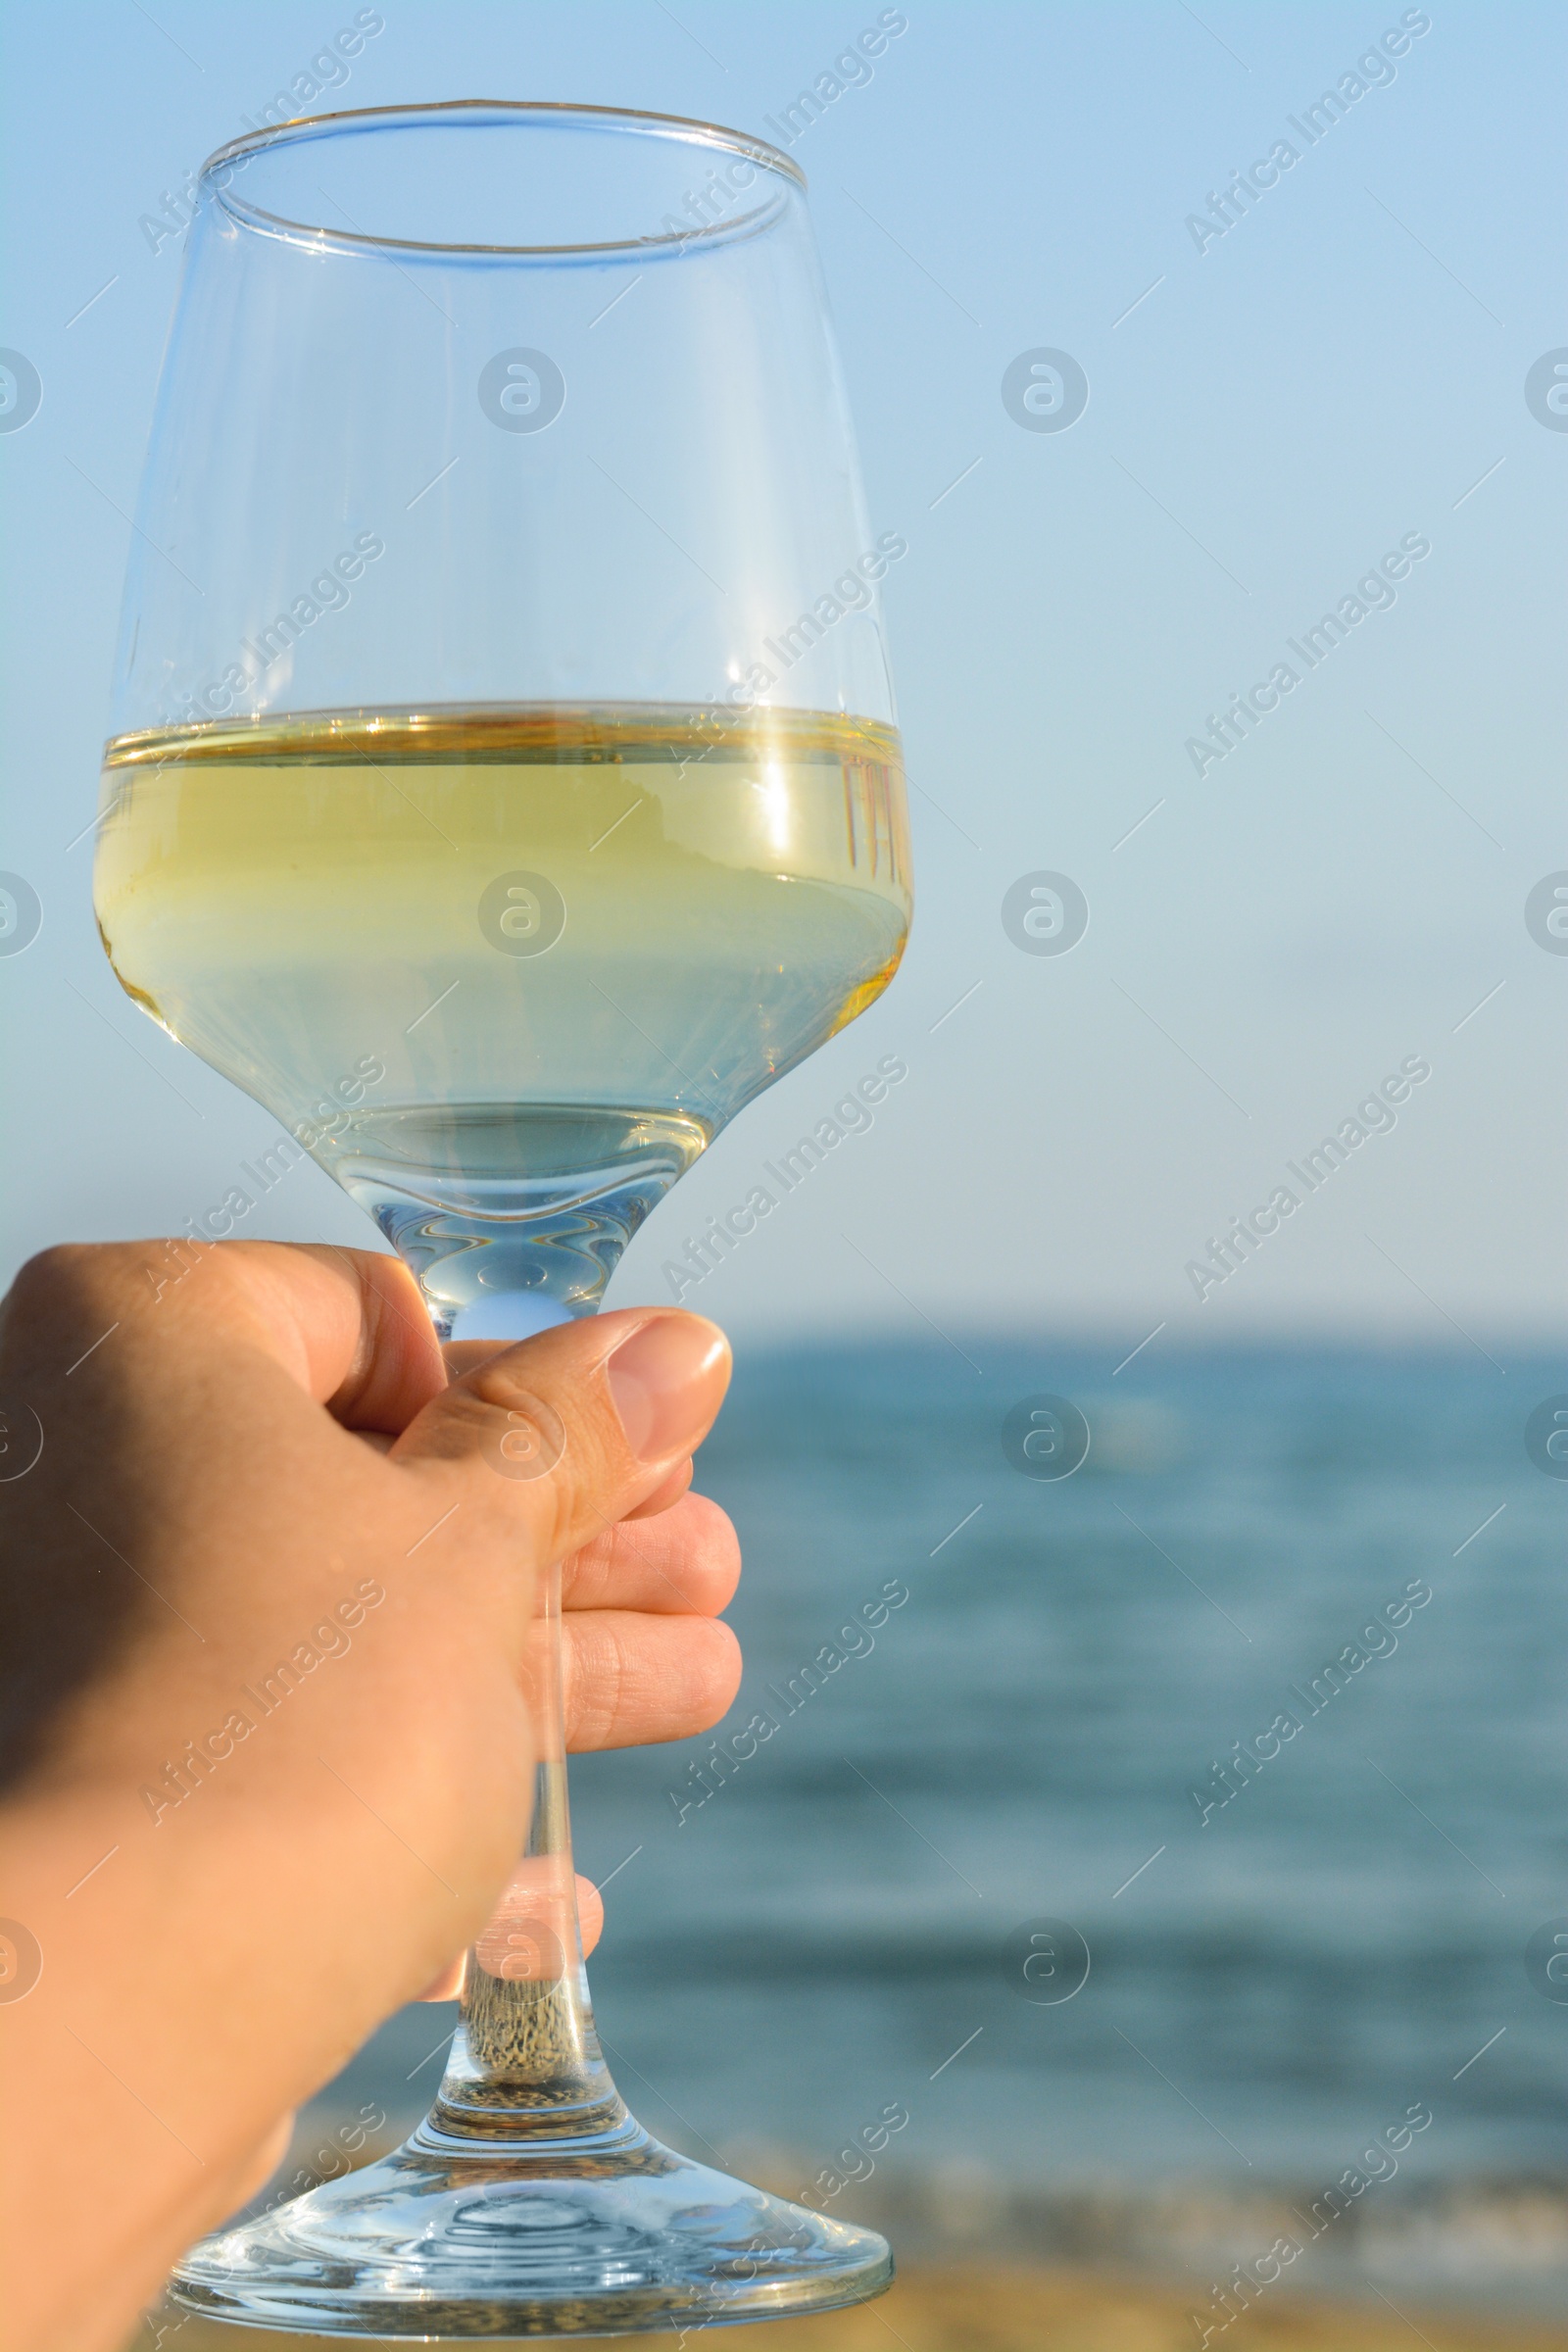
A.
pixel 525 2061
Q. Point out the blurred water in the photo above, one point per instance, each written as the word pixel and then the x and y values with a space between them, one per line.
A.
pixel 813 1943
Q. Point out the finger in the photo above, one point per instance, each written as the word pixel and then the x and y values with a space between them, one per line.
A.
pixel 466 1356
pixel 369 1352
pixel 631 1679
pixel 572 1429
pixel 346 1325
pixel 590 1913
pixel 448 1986
pixel 685 1562
pixel 673 1487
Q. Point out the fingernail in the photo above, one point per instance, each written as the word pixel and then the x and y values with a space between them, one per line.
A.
pixel 667 1380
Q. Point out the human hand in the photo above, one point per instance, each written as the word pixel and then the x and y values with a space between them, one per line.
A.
pixel 205 1509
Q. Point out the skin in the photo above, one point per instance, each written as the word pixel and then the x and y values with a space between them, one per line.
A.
pixel 246 1447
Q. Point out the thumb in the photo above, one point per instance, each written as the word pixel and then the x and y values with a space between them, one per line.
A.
pixel 572 1429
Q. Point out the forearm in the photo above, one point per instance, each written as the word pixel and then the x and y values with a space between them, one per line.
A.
pixel 96 2056
pixel 171 2027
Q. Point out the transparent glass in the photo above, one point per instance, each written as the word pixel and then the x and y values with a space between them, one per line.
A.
pixel 504 787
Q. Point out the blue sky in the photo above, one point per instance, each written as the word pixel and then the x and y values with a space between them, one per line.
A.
pixel 1271 411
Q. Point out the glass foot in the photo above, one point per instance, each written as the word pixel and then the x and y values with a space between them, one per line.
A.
pixel 606 2234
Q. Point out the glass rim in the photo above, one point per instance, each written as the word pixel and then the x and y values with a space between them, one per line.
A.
pixel 685 130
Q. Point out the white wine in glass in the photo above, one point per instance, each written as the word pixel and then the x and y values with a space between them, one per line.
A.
pixel 504 789
pixel 576 942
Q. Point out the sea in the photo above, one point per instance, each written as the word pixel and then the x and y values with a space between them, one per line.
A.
pixel 1141 1996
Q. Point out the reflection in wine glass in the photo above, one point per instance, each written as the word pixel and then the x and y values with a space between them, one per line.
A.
pixel 504 789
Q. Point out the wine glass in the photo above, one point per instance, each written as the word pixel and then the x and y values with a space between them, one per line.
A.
pixel 504 789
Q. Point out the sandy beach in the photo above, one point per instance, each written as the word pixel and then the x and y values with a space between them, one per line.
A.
pixel 986 2309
